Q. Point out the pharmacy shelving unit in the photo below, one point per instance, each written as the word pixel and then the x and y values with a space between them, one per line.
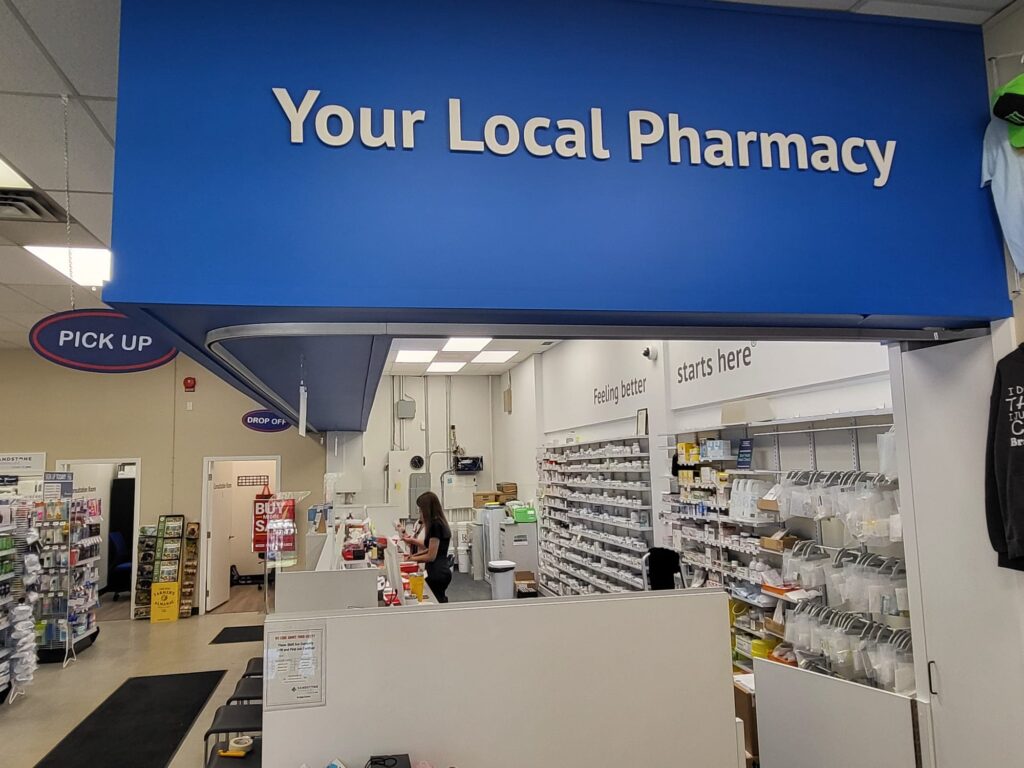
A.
pixel 69 582
pixel 719 544
pixel 595 515
pixel 17 528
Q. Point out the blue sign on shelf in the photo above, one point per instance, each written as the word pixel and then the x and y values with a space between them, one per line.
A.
pixel 264 421
pixel 100 341
pixel 745 455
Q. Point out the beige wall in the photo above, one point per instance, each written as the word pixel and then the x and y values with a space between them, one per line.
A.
pixel 74 415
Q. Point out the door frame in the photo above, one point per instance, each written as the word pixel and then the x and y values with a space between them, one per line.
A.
pixel 204 548
pixel 67 465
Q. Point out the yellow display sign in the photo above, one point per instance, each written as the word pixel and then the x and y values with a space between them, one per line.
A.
pixel 164 602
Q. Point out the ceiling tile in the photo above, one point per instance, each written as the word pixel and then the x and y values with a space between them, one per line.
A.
pixel 23 67
pixel 922 11
pixel 12 301
pixel 58 297
pixel 32 128
pixel 48 233
pixel 81 37
pixel 19 267
pixel 11 327
pixel 24 320
pixel 407 369
pixel 93 210
pixel 106 111
pixel 15 340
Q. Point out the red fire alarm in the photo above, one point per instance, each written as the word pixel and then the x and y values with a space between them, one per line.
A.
pixel 189 382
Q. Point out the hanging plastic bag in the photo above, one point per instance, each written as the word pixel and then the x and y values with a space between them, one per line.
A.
pixel 887 462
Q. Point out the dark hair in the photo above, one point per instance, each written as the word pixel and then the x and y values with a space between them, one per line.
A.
pixel 431 511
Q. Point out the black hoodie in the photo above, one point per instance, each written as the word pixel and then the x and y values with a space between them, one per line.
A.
pixel 1004 464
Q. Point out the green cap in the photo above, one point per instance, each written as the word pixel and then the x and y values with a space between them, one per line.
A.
pixel 1008 104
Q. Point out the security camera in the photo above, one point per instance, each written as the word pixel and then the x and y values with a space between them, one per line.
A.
pixel 651 353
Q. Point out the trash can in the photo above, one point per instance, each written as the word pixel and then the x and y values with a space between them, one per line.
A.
pixel 503 579
pixel 463 554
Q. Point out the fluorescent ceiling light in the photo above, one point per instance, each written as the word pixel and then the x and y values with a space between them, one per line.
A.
pixel 466 345
pixel 445 367
pixel 90 266
pixel 415 355
pixel 11 179
pixel 494 356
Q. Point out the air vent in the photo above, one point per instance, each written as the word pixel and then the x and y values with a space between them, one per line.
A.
pixel 546 343
pixel 28 205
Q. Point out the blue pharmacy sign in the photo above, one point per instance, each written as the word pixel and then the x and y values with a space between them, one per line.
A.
pixel 99 341
pixel 264 421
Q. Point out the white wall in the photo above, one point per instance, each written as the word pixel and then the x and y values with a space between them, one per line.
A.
pixel 517 435
pixel 428 432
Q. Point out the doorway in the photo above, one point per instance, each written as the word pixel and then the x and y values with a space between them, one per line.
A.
pixel 233 575
pixel 116 485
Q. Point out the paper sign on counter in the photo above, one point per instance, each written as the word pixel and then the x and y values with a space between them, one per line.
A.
pixel 294 673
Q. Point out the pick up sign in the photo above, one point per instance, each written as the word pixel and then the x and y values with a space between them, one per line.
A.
pixel 98 340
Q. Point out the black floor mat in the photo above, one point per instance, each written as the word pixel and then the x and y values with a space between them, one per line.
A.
pixel 252 633
pixel 141 724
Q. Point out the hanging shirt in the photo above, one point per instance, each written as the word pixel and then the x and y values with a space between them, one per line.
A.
pixel 1002 168
pixel 1004 464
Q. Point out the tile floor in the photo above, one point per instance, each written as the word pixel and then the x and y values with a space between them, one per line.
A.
pixel 61 698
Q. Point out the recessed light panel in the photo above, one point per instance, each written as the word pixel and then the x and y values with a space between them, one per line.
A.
pixel 493 356
pixel 445 367
pixel 89 267
pixel 415 355
pixel 11 179
pixel 466 345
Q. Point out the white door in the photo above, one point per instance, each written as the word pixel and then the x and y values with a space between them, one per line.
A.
pixel 971 608
pixel 218 560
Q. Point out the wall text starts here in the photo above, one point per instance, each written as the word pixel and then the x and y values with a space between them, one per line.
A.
pixel 625 389
pixel 570 138
pixel 705 366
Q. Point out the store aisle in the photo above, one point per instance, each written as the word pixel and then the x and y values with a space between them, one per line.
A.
pixel 61 698
pixel 245 598
pixel 464 590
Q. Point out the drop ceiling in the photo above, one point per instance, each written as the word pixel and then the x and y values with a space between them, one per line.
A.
pixel 523 348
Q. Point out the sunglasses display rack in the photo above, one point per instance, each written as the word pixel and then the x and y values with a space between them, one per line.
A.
pixel 69 555
pixel 595 515
pixel 144 568
pixel 17 592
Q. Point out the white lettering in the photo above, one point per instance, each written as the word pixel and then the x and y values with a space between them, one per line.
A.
pixel 597 135
pixel 498 147
pixel 718 154
pixel 409 120
pixel 65 336
pixel 785 143
pixel 639 138
pixel 323 126
pixel 572 144
pixel 827 158
pixel 296 115
pixel 387 135
pixel 743 141
pixel 455 141
pixel 849 163
pixel 533 146
pixel 883 160
pixel 675 137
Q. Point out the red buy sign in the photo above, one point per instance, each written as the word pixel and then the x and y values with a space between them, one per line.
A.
pixel 273 525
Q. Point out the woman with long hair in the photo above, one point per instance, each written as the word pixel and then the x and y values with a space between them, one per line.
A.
pixel 437 536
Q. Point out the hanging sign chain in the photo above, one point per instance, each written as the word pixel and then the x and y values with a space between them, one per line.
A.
pixel 67 200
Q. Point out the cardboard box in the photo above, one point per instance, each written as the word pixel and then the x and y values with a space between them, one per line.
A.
pixel 484 497
pixel 746 710
pixel 778 545
pixel 525 577
pixel 511 489
pixel 773 626
pixel 505 498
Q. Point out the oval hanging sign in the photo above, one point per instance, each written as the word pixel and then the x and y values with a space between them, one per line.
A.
pixel 98 340
pixel 264 421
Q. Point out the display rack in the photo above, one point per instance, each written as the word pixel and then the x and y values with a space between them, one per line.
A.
pixel 17 650
pixel 595 515
pixel 69 557
pixel 189 568
pixel 144 569
pixel 720 540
